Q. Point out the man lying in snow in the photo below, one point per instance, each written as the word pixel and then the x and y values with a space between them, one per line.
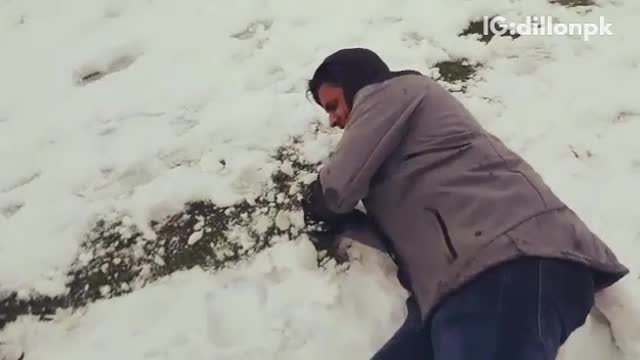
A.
pixel 498 266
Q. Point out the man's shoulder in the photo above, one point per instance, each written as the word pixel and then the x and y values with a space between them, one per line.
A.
pixel 405 86
pixel 409 82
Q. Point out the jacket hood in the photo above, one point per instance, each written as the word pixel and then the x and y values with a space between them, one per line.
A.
pixel 352 69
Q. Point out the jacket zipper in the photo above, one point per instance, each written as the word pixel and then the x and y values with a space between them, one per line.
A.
pixel 445 233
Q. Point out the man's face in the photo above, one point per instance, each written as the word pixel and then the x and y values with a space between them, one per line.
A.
pixel 333 101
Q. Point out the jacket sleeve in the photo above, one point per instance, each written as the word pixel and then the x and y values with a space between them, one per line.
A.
pixel 379 121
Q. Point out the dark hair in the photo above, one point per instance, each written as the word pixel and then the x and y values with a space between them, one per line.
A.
pixel 351 69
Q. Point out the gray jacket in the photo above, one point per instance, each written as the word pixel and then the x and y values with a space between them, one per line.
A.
pixel 452 199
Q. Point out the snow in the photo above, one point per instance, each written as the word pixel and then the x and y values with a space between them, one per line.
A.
pixel 279 306
pixel 185 101
pixel 195 237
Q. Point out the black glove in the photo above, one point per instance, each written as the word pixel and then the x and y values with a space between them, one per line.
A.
pixel 314 206
pixel 316 212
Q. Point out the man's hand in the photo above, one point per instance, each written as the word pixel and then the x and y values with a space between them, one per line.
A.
pixel 324 226
pixel 314 205
pixel 316 213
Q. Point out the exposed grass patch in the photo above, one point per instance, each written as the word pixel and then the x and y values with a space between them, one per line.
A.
pixel 573 3
pixel 479 28
pixel 116 259
pixel 457 73
pixel 457 70
pixel 11 307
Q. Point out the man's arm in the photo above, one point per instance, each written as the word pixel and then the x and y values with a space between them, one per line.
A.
pixel 378 124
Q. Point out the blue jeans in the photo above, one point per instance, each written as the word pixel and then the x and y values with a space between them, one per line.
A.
pixel 524 309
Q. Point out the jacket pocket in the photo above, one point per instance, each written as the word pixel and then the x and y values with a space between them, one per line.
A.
pixel 445 233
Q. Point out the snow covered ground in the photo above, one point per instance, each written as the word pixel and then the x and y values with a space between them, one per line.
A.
pixel 116 107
